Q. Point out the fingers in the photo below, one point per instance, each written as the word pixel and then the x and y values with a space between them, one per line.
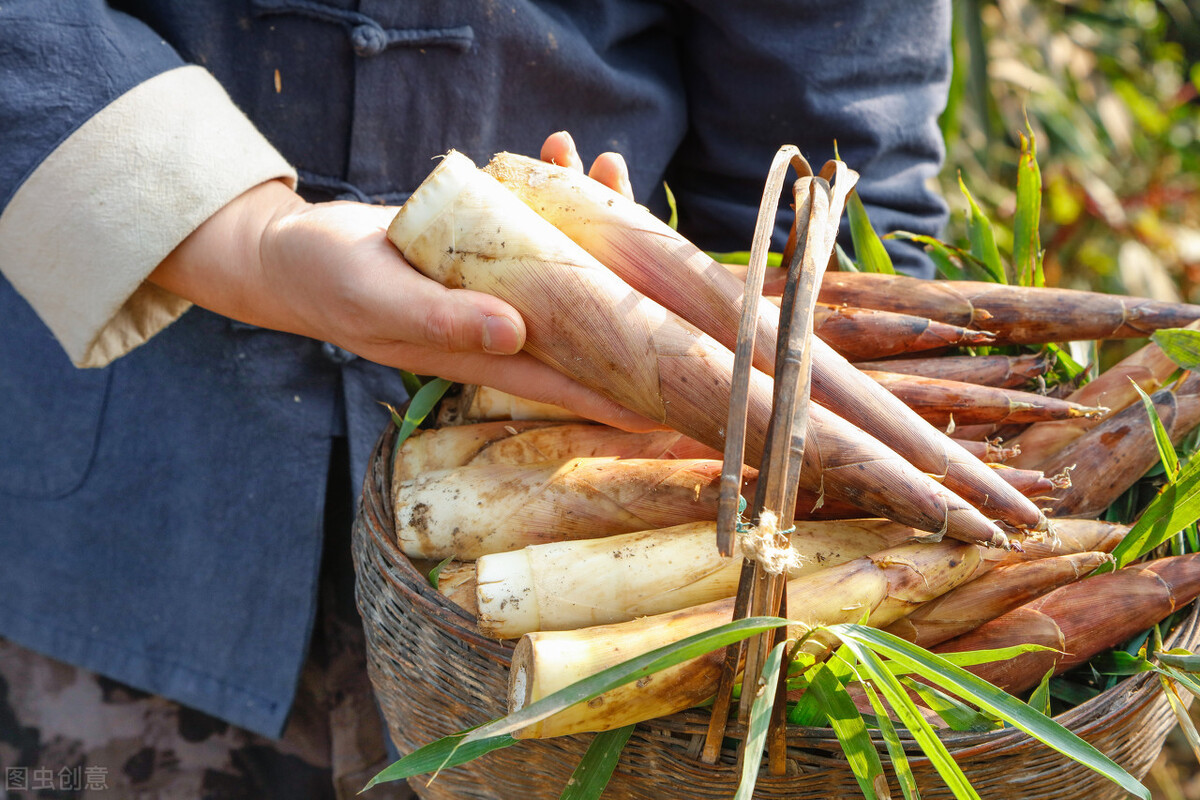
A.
pixel 519 374
pixel 559 148
pixel 611 170
pixel 608 168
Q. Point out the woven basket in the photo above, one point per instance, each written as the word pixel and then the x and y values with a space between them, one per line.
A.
pixel 435 674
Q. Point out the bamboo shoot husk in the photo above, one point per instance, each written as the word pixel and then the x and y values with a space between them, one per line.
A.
pixel 863 334
pixel 1148 367
pixel 987 597
pixel 1033 483
pixel 465 230
pixel 1082 619
pixel 664 266
pixel 989 451
pixel 939 401
pixel 471 511
pixel 886 585
pixel 1016 314
pixel 577 584
pixel 1004 372
pixel 517 442
pixel 487 404
pixel 1112 456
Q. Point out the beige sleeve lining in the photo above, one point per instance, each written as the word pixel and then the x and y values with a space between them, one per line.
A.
pixel 96 217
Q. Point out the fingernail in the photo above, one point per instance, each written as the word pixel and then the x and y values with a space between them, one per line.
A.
pixel 500 336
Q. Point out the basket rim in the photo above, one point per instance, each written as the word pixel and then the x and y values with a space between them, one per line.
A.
pixel 1127 697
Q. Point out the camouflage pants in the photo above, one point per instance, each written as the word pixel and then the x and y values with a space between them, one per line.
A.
pixel 66 733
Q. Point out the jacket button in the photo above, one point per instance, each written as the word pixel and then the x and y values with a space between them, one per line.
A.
pixel 336 354
pixel 368 40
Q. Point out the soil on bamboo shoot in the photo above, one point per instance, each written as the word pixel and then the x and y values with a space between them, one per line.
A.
pixel 471 511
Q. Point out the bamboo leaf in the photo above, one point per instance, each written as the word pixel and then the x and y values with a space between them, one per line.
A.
pixel 412 384
pixel 845 263
pixel 742 257
pixel 1027 244
pixel 596 767
pixel 969 658
pixel 958 715
pixel 1181 715
pixel 872 255
pixel 983 238
pixel 1040 699
pixel 851 731
pixel 1180 659
pixel 436 573
pixel 419 407
pixel 1065 362
pixel 904 773
pixel 1184 679
pixel 627 671
pixel 760 721
pixel 1180 344
pixel 987 697
pixel 673 220
pixel 1175 507
pixel 907 711
pixel 449 751
pixel 808 710
pixel 1166 451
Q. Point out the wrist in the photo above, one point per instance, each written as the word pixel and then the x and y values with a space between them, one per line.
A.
pixel 219 265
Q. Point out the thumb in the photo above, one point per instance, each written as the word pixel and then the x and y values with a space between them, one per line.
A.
pixel 460 320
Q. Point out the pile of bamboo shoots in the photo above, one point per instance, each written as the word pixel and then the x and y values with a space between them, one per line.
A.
pixel 941 497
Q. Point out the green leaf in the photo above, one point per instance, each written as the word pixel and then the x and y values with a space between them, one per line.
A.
pixel 1180 344
pixel 673 220
pixel 983 238
pixel 1040 699
pixel 1119 662
pixel 1180 659
pixel 903 770
pixel 627 671
pixel 1175 507
pixel 1065 362
pixel 958 715
pixel 1027 244
pixel 969 658
pixel 1184 679
pixel 449 751
pixel 851 732
pixel 436 572
pixel 420 406
pixel 872 255
pixel 596 767
pixel 907 712
pixel 1166 451
pixel 808 709
pixel 1181 715
pixel 988 698
pixel 412 384
pixel 760 720
pixel 845 263
pixel 742 257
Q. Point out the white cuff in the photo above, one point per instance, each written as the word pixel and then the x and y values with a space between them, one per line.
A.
pixel 96 217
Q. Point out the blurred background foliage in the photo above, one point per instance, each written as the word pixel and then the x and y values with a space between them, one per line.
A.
pixel 1111 90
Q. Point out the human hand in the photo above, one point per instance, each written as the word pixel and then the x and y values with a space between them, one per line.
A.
pixel 327 271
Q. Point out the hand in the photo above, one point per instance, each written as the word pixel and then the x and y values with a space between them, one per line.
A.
pixel 327 271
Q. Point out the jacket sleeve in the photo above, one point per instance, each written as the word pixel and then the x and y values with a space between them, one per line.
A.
pixel 115 151
pixel 870 76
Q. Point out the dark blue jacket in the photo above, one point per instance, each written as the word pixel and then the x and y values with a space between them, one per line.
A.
pixel 160 518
